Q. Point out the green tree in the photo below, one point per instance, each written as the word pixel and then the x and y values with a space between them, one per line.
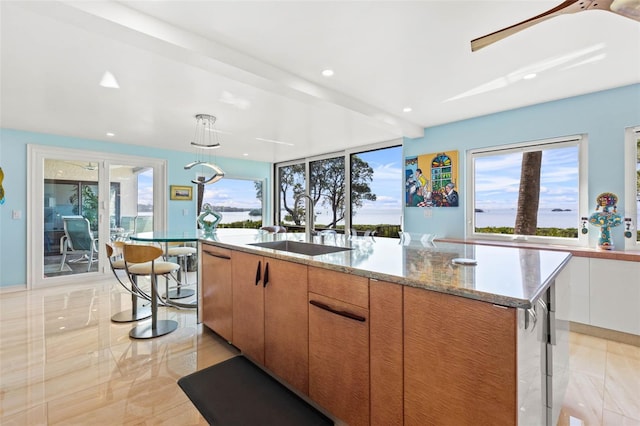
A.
pixel 89 200
pixel 327 187
pixel 361 177
pixel 292 181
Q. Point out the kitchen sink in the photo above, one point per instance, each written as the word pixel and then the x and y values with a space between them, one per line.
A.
pixel 298 247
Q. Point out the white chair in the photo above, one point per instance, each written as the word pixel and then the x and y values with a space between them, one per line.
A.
pixel 182 253
pixel 78 239
pixel 116 261
pixel 144 260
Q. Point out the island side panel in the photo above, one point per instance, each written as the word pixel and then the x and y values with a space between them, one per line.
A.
pixel 460 361
pixel 385 342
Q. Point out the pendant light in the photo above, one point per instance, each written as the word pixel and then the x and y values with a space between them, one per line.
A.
pixel 205 138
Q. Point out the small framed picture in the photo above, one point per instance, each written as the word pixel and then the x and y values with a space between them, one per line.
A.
pixel 181 193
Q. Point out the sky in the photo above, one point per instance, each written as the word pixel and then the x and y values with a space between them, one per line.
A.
pixel 232 192
pixel 497 180
pixel 387 181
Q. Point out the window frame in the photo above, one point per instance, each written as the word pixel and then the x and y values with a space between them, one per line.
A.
pixel 631 137
pixel 251 179
pixel 579 140
pixel 347 165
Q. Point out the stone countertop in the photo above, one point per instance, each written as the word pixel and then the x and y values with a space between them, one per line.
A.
pixel 506 276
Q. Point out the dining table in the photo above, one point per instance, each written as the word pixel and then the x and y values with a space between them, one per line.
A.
pixel 165 238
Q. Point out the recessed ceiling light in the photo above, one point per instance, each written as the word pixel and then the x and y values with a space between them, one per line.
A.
pixel 407 109
pixel 110 134
pixel 245 154
pixel 327 73
pixel 274 141
pixel 529 76
pixel 109 80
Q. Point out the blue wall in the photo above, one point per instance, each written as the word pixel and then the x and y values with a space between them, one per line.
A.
pixel 13 160
pixel 603 116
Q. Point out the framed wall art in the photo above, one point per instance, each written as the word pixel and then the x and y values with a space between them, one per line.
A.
pixel 431 180
pixel 181 193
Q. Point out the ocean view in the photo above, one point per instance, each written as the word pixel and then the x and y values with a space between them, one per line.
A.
pixel 498 217
pixel 546 218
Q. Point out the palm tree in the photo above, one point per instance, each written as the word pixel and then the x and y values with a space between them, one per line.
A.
pixel 529 194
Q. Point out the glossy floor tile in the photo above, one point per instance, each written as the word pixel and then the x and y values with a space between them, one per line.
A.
pixel 604 387
pixel 63 362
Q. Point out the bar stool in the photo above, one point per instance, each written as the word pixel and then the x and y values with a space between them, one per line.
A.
pixel 117 264
pixel 142 260
pixel 182 253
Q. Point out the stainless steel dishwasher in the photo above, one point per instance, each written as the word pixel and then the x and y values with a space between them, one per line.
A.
pixel 543 358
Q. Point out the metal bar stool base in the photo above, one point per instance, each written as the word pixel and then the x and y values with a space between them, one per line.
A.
pixel 130 316
pixel 181 293
pixel 145 331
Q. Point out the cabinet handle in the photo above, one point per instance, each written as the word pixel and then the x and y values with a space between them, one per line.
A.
pixel 266 275
pixel 345 314
pixel 220 256
pixel 258 272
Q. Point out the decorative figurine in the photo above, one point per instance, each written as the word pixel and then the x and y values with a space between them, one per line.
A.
pixel 209 219
pixel 606 219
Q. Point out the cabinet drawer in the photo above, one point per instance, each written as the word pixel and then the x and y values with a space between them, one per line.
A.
pixel 345 287
pixel 216 251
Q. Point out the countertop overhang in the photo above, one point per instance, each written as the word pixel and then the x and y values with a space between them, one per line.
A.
pixel 506 276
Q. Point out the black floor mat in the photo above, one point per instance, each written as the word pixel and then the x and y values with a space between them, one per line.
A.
pixel 238 393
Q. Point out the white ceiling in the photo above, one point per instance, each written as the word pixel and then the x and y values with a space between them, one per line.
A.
pixel 257 67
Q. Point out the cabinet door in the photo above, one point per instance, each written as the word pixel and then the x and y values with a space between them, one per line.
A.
pixel 615 295
pixel 217 302
pixel 286 324
pixel 575 276
pixel 339 358
pixel 248 304
pixel 385 313
pixel 459 361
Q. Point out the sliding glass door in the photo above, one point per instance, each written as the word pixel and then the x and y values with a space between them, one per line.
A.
pixel 79 201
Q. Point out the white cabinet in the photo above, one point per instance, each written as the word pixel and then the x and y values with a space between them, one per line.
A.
pixel 576 276
pixel 615 295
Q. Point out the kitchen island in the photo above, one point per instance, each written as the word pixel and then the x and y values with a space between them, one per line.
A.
pixel 381 332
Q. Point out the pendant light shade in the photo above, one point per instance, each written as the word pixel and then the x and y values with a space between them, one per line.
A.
pixel 205 138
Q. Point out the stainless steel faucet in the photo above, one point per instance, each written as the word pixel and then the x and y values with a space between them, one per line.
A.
pixel 309 226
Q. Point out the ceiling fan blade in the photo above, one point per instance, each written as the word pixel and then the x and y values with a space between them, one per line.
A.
pixel 566 7
pixel 626 8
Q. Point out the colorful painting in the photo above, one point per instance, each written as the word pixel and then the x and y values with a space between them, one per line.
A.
pixel 431 180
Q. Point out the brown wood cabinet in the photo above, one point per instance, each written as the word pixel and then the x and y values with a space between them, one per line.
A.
pixel 459 361
pixel 271 315
pixel 217 301
pixel 386 353
pixel 339 344
pixel 286 324
pixel 248 304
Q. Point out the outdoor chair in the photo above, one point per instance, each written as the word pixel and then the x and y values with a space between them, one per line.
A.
pixel 78 240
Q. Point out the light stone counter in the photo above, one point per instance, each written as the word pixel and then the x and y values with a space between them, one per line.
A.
pixel 506 276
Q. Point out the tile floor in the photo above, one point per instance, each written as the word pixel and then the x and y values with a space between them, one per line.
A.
pixel 63 362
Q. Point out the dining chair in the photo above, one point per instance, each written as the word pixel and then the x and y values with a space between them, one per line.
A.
pixel 274 229
pixel 143 224
pixel 116 262
pixel 78 239
pixel 182 253
pixel 146 260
